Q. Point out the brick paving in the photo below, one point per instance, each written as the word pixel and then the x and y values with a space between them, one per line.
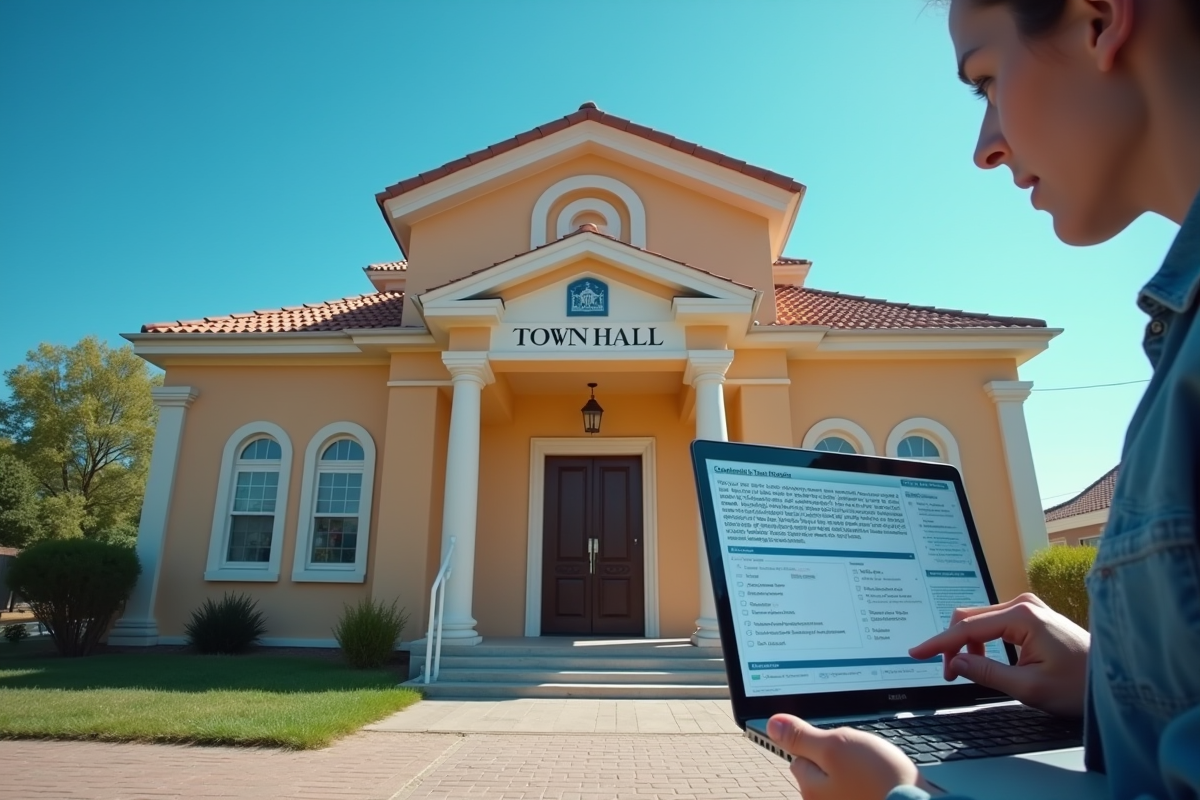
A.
pixel 395 766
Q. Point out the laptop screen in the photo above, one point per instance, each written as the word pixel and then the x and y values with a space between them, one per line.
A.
pixel 832 575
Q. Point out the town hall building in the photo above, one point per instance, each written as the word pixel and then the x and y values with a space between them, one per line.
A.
pixel 314 455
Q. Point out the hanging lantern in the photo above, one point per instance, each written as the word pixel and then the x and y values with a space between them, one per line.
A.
pixel 592 412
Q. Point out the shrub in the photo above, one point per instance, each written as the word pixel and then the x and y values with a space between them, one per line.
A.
pixel 228 626
pixel 14 632
pixel 1056 575
pixel 75 588
pixel 367 632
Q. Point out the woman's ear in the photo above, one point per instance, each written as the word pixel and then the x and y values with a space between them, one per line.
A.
pixel 1111 25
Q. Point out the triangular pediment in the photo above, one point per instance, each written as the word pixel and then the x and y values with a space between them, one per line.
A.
pixel 589 281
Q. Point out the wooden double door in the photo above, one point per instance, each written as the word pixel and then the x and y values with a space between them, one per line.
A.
pixel 593 572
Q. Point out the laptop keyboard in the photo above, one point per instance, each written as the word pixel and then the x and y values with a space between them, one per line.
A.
pixel 1002 731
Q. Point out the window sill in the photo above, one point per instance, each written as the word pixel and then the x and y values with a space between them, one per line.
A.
pixel 246 575
pixel 329 576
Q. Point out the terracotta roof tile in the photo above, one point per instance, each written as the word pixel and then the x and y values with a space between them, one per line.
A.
pixel 377 310
pixel 588 112
pixel 388 266
pixel 786 260
pixel 797 305
pixel 1096 497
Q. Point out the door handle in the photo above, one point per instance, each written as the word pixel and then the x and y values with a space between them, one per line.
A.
pixel 593 549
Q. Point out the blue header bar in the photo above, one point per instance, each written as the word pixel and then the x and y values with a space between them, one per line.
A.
pixel 910 483
pixel 839 662
pixel 950 573
pixel 795 551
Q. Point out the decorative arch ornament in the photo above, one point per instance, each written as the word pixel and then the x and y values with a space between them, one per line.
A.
pixel 633 205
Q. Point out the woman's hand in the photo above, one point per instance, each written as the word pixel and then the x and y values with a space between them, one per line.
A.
pixel 1052 667
pixel 844 763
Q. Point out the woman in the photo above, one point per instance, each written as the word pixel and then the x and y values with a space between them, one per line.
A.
pixel 1095 106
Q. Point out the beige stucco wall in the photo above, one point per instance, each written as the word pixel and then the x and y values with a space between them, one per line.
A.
pixel 880 394
pixel 301 400
pixel 1071 536
pixel 680 223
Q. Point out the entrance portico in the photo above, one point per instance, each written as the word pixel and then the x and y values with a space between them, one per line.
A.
pixel 585 308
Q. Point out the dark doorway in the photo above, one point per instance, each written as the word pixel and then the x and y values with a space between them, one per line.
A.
pixel 593 574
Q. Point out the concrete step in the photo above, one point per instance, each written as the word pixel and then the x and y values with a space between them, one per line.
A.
pixel 547 661
pixel 592 691
pixel 591 676
pixel 673 652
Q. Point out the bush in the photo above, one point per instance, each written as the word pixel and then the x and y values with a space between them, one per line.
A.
pixel 1056 575
pixel 230 626
pixel 367 633
pixel 75 588
pixel 14 632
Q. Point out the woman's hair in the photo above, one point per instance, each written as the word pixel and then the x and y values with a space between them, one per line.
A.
pixel 1037 17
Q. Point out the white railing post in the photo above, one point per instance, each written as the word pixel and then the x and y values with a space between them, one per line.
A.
pixel 437 612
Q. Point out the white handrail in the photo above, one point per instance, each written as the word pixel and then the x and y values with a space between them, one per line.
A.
pixel 437 610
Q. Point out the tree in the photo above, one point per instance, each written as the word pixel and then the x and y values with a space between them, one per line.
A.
pixel 82 420
pixel 19 502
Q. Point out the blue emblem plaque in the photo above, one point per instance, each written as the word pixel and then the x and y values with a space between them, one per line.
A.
pixel 587 297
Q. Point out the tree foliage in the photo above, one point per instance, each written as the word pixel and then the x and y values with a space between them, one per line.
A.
pixel 19 503
pixel 81 419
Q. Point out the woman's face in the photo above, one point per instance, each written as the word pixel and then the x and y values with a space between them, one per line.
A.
pixel 1065 127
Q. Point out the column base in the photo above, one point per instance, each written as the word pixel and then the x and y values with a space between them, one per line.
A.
pixel 134 633
pixel 449 640
pixel 707 633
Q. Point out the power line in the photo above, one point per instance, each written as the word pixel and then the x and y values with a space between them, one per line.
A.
pixel 1091 386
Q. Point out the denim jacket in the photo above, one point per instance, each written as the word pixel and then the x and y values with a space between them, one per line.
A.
pixel 1142 722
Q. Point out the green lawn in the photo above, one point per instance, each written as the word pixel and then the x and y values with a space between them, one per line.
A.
pixel 273 701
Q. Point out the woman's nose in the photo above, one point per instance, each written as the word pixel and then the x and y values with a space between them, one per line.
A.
pixel 992 149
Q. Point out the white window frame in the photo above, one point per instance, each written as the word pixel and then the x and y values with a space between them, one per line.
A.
pixel 302 570
pixel 218 568
pixel 852 432
pixel 1090 541
pixel 932 430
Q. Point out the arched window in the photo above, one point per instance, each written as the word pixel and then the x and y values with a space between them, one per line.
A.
pixel 335 505
pixel 918 447
pixel 248 517
pixel 925 439
pixel 838 435
pixel 835 444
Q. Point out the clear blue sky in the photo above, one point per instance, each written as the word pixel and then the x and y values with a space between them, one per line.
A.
pixel 176 160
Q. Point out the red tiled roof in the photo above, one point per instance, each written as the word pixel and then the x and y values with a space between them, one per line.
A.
pixel 586 112
pixel 376 310
pixel 801 306
pixel 9 551
pixel 1096 497
pixel 387 266
pixel 785 260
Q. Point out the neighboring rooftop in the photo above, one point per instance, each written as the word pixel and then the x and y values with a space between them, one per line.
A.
pixel 1096 497
pixel 588 112
pixel 387 266
pixel 803 306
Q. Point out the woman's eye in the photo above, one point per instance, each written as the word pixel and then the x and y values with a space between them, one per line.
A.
pixel 981 87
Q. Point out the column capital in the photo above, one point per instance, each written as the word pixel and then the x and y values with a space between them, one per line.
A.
pixel 469 365
pixel 1008 391
pixel 710 364
pixel 174 396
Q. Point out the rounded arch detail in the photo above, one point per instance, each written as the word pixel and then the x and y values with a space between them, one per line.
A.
pixel 837 426
pixel 931 429
pixel 612 220
pixel 633 204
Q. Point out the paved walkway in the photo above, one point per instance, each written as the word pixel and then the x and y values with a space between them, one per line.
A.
pixel 563 716
pixel 389 761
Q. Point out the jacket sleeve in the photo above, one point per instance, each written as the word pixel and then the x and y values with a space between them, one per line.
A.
pixel 913 793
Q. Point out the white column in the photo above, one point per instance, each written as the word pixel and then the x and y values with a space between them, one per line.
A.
pixel 470 372
pixel 1031 521
pixel 706 372
pixel 138 626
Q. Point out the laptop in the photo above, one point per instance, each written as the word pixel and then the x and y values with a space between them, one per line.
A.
pixel 827 568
